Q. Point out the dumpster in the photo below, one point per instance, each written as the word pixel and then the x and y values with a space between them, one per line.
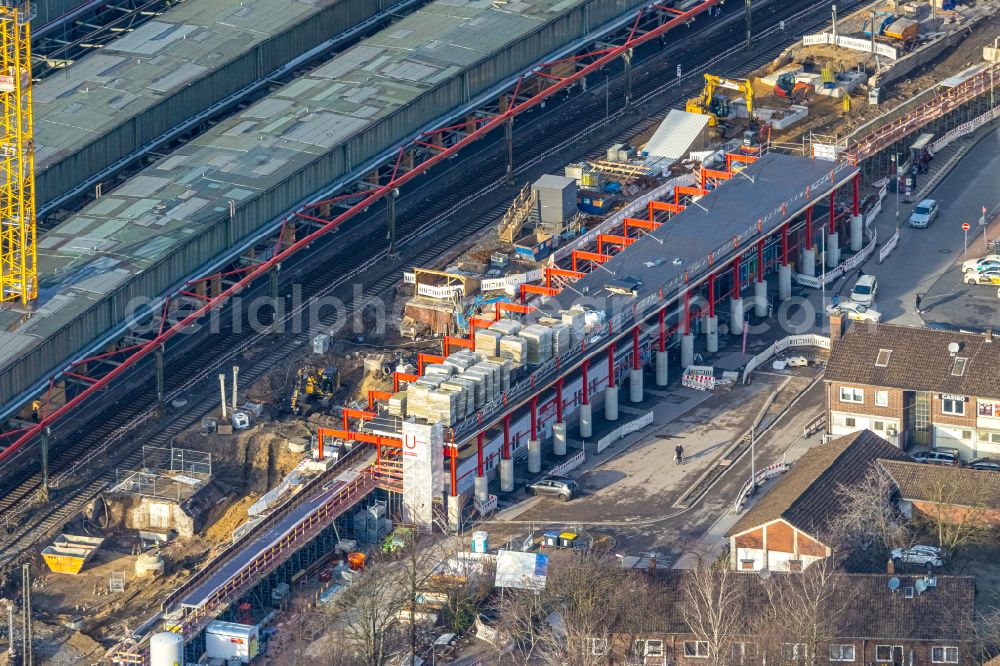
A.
pixel 69 552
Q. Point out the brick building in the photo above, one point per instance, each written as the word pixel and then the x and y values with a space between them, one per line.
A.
pixel 871 624
pixel 957 494
pixel 916 387
pixel 784 530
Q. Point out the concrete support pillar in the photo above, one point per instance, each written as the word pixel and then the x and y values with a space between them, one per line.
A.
pixel 857 232
pixel 832 250
pixel 784 282
pixel 45 464
pixel 586 421
pixel 507 475
pixel 635 385
pixel 687 350
pixel 611 403
pixel 482 488
pixel 760 298
pixel 534 456
pixel 559 439
pixel 455 503
pixel 736 316
pixel 159 378
pixel 809 262
pixel 712 334
pixel 390 215
pixel 508 133
pixel 662 369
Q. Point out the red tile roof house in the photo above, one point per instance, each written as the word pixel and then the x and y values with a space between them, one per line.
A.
pixel 917 387
pixel 784 530
pixel 957 494
pixel 873 625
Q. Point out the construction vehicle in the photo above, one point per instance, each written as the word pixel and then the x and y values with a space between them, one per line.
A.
pixel 716 108
pixel 462 318
pixel 794 91
pixel 309 382
pixel 891 28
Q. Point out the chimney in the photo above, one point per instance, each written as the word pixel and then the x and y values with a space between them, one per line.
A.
pixel 652 562
pixel 837 325
pixel 989 335
pixel 890 568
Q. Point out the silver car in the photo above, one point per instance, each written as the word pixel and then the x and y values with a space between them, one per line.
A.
pixel 559 487
pixel 924 214
pixel 929 557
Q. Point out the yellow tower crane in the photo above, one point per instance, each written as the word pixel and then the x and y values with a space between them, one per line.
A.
pixel 18 273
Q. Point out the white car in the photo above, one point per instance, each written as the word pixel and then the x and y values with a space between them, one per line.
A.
pixel 985 263
pixel 986 276
pixel 856 311
pixel 864 290
pixel 923 556
pixel 924 214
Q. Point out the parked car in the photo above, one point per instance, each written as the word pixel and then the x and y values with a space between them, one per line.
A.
pixel 988 464
pixel 924 214
pixel 856 311
pixel 555 486
pixel 925 556
pixel 941 455
pixel 988 276
pixel 864 290
pixel 989 261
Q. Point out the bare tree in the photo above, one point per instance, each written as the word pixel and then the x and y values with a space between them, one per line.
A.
pixel 953 513
pixel 804 612
pixel 714 607
pixel 368 609
pixel 868 521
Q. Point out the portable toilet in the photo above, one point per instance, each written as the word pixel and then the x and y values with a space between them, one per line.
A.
pixel 567 539
pixel 480 542
pixel 550 540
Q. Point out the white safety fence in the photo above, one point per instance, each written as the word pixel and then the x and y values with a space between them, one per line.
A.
pixel 487 507
pixel 853 43
pixel 623 430
pixel 570 464
pixel 806 340
pixel 501 283
pixel 760 477
pixel 965 128
pixel 889 246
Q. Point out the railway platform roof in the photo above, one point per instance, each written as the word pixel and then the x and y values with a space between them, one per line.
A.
pixel 708 227
pixel 195 203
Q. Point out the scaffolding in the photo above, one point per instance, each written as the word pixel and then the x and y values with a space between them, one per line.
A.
pixel 518 213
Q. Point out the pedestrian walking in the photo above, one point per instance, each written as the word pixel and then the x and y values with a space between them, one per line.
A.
pixel 679 454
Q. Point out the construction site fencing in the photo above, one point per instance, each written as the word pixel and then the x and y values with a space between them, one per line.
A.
pixel 569 465
pixel 888 246
pixel 188 461
pixel 806 340
pixel 623 430
pixel 964 129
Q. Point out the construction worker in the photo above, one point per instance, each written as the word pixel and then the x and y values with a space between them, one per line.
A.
pixel 847 103
pixel 36 408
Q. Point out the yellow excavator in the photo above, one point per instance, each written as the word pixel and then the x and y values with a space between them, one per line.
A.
pixel 715 108
pixel 322 383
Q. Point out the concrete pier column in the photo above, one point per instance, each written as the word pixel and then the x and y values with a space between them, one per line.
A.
pixel 760 298
pixel 736 316
pixel 559 439
pixel 611 403
pixel 534 456
pixel 586 421
pixel 482 488
pixel 832 250
pixel 808 262
pixel 784 282
pixel 662 370
pixel 507 475
pixel 712 334
pixel 635 385
pixel 687 350
pixel 857 232
pixel 455 503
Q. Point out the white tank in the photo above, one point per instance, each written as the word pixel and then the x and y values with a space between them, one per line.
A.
pixel 166 649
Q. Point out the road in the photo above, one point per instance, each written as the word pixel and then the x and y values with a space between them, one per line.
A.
pixel 923 262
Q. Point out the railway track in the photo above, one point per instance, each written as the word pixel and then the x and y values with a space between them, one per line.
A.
pixel 80 469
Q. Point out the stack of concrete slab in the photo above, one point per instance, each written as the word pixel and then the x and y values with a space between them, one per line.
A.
pixel 514 349
pixel 561 338
pixel 539 339
pixel 460 397
pixel 397 404
pixel 576 320
pixel 507 327
pixel 488 341
pixel 438 370
pixel 478 381
pixel 462 360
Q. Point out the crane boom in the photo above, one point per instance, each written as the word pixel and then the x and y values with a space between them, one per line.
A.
pixel 18 272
